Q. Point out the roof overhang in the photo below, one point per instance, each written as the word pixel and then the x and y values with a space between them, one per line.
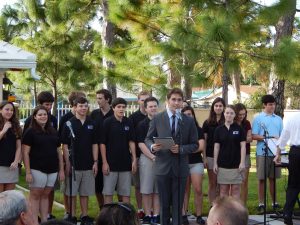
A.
pixel 15 58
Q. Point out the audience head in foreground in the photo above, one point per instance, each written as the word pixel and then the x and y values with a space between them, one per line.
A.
pixel 227 211
pixel 14 209
pixel 117 214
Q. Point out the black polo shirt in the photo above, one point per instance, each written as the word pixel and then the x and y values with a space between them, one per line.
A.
pixel 98 117
pixel 209 129
pixel 142 130
pixel 136 118
pixel 8 148
pixel 63 120
pixel 197 157
pixel 53 121
pixel 116 136
pixel 85 137
pixel 43 150
pixel 230 148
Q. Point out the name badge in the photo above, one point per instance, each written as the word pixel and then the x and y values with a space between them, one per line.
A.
pixel 235 132
pixel 126 128
pixel 90 127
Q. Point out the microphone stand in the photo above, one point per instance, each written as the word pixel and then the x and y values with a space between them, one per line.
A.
pixel 178 172
pixel 72 171
pixel 266 154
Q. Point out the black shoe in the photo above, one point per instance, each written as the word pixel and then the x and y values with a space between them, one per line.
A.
pixel 261 208
pixel 288 221
pixel 155 219
pixel 275 206
pixel 51 217
pixel 200 220
pixel 86 220
pixel 72 219
pixel 185 220
pixel 147 220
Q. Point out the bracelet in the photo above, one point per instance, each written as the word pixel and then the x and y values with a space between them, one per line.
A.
pixel 96 161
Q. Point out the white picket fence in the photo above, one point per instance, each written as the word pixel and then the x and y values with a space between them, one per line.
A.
pixel 26 109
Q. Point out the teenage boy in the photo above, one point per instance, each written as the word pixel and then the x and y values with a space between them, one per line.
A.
pixel 71 98
pixel 148 185
pixel 118 153
pixel 104 99
pixel 46 99
pixel 85 149
pixel 266 122
pixel 172 163
pixel 136 118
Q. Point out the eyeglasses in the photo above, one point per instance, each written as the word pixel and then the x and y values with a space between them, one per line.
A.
pixel 119 204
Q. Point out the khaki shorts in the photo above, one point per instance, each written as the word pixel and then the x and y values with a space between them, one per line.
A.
pixel 9 176
pixel 260 162
pixel 84 184
pixel 41 179
pixel 196 168
pixel 210 163
pixel 148 183
pixel 121 180
pixel 229 176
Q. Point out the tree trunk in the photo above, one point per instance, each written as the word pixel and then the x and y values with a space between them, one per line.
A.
pixel 236 82
pixel 108 33
pixel 55 94
pixel 284 28
pixel 171 77
pixel 186 78
pixel 225 75
pixel 35 92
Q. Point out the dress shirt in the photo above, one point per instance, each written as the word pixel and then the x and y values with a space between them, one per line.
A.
pixel 290 132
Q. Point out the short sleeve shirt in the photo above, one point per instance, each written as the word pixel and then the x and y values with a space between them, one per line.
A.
pixel 197 157
pixel 247 126
pixel 142 130
pixel 43 150
pixel 85 137
pixel 63 120
pixel 136 118
pixel 273 124
pixel 209 129
pixel 116 137
pixel 230 149
pixel 8 148
pixel 98 117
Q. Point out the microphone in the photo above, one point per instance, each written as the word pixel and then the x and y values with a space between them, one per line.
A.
pixel 69 125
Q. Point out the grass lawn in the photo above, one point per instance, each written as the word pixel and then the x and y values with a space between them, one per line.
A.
pixel 252 198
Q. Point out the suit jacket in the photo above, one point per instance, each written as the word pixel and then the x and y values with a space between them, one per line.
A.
pixel 186 137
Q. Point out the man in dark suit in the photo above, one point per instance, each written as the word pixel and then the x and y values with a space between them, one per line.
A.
pixel 171 165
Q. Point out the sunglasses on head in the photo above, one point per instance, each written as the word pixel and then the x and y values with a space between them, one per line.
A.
pixel 118 204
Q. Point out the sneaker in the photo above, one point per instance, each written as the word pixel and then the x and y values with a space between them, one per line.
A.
pixel 51 217
pixel 287 220
pixel 185 220
pixel 275 205
pixel 66 216
pixel 141 214
pixel 72 219
pixel 155 219
pixel 146 220
pixel 200 220
pixel 261 208
pixel 86 220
